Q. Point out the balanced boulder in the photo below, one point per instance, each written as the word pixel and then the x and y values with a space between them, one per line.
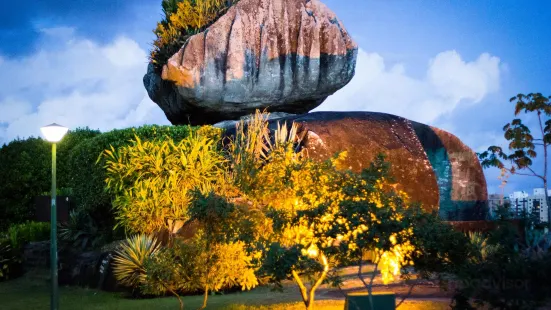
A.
pixel 279 55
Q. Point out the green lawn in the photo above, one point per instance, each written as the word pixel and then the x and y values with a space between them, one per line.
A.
pixel 29 293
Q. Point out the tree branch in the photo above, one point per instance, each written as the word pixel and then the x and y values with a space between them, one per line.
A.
pixel 320 280
pixel 531 170
pixel 360 265
pixel 407 296
pixel 177 296
pixel 303 291
pixel 524 174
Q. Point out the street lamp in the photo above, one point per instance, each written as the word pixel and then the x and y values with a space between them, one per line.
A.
pixel 53 133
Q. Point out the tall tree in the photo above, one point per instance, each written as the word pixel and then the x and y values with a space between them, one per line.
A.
pixel 523 143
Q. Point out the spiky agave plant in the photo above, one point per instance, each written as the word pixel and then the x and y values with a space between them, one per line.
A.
pixel 129 261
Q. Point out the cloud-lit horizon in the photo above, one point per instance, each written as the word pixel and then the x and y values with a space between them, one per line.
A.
pixel 427 67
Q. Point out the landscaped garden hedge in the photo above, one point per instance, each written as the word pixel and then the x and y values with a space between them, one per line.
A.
pixel 26 173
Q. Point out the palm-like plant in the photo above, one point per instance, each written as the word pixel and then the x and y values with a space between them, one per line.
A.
pixel 81 230
pixel 129 261
pixel 483 248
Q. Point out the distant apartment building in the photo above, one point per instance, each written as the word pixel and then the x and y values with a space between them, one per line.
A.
pixel 519 203
pixel 534 206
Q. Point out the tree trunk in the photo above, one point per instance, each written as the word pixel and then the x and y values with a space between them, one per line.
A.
pixel 545 170
pixel 175 294
pixel 308 296
pixel 313 289
pixel 547 204
pixel 205 297
pixel 302 288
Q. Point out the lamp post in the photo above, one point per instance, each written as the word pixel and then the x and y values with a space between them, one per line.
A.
pixel 53 133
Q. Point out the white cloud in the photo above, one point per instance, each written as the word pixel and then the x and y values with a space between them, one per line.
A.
pixel 58 32
pixel 12 109
pixel 77 83
pixel 449 81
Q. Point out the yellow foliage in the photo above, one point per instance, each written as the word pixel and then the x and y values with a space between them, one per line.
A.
pixel 152 180
pixel 190 17
pixel 225 265
pixel 196 15
pixel 265 171
pixel 391 262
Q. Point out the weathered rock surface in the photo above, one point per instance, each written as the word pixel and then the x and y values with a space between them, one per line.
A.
pixel 282 55
pixel 432 166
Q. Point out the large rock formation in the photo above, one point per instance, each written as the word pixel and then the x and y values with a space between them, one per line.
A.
pixel 283 55
pixel 432 166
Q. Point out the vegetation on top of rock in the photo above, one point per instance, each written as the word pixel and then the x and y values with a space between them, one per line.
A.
pixel 183 18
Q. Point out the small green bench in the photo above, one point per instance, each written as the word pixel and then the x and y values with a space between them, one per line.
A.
pixel 360 301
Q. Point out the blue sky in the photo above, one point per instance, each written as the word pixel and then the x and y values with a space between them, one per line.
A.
pixel 450 64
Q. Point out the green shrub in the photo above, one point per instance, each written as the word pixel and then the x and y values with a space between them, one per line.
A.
pixel 64 150
pixel 89 175
pixel 12 242
pixel 25 173
pixel 514 275
pixel 20 234
pixel 441 248
pixel 26 167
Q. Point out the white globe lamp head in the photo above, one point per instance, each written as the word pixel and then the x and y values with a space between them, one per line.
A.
pixel 54 132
